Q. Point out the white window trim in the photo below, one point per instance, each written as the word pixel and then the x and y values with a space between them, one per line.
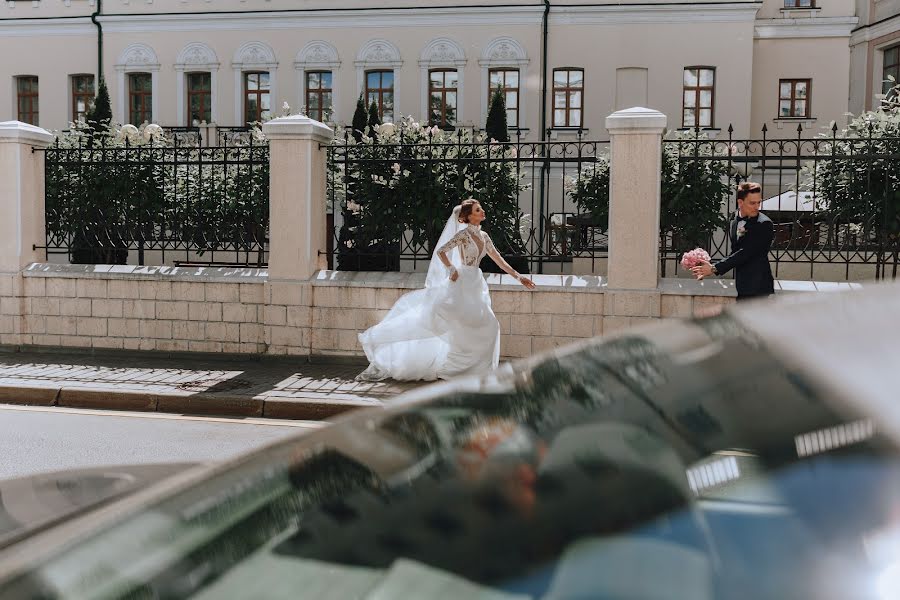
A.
pixel 196 57
pixel 379 55
pixel 504 53
pixel 137 58
pixel 878 60
pixel 318 56
pixel 253 56
pixel 442 53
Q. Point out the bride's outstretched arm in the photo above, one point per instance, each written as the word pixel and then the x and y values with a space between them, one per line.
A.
pixel 501 262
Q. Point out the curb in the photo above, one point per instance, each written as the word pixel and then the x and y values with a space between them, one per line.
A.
pixel 201 404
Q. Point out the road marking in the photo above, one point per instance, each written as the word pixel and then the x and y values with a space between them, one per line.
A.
pixel 164 416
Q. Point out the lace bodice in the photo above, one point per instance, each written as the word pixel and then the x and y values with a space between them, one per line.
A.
pixel 473 244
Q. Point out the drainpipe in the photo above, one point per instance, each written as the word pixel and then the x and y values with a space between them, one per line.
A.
pixel 94 20
pixel 545 34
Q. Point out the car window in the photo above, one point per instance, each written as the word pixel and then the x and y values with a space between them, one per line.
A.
pixel 623 469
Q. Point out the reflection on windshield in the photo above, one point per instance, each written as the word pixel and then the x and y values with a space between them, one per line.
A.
pixel 614 470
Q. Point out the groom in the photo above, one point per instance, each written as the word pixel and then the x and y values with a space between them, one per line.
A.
pixel 751 234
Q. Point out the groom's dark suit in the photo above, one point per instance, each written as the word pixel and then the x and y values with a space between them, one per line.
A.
pixel 750 256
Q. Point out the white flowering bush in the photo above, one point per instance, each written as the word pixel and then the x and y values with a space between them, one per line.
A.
pixel 397 185
pixel 857 181
pixel 692 191
pixel 130 187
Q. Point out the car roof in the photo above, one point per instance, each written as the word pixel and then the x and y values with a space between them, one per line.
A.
pixel 846 341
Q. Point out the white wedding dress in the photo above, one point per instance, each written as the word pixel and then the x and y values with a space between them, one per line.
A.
pixel 447 328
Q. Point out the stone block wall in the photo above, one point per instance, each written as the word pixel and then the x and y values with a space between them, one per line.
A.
pixel 243 311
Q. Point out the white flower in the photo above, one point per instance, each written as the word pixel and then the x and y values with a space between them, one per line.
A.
pixel 128 131
pixel 435 130
pixel 396 168
pixel 286 107
pixel 152 130
pixel 387 129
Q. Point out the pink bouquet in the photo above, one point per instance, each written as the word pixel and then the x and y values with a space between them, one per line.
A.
pixel 694 258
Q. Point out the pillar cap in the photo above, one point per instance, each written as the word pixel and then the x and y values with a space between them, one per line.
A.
pixel 297 127
pixel 644 120
pixel 23 133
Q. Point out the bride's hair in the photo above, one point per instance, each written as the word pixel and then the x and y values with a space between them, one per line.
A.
pixel 465 209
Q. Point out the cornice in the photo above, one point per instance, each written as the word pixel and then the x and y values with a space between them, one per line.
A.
pixel 813 27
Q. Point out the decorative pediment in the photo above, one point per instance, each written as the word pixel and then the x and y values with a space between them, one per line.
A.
pixel 379 53
pixel 138 56
pixel 443 52
pixel 318 54
pixel 254 54
pixel 197 54
pixel 504 51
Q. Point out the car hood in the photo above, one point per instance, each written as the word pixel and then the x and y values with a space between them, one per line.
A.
pixel 28 504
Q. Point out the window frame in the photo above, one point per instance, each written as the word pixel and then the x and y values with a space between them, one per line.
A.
pixel 505 90
pixel 320 92
pixel 568 89
pixel 443 90
pixel 795 5
pixel 204 95
pixel 894 67
pixel 793 98
pixel 697 90
pixel 381 90
pixel 259 93
pixel 145 96
pixel 31 116
pixel 76 95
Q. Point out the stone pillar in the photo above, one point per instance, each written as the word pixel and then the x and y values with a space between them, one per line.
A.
pixel 635 164
pixel 632 296
pixel 297 229
pixel 297 195
pixel 22 224
pixel 21 194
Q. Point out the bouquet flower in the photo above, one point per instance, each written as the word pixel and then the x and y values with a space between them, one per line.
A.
pixel 694 258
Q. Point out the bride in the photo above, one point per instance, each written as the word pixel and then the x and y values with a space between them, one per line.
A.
pixel 448 328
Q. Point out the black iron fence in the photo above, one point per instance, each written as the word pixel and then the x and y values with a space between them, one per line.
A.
pixel 834 200
pixel 389 198
pixel 160 202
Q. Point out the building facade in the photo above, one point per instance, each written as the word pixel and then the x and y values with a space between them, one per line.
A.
pixel 562 67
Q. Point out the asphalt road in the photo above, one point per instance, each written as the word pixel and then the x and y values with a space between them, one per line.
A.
pixel 38 439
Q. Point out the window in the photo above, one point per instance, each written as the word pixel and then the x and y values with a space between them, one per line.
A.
pixel 140 98
pixel 257 101
pixel 793 98
pixel 568 97
pixel 507 81
pixel 699 96
pixel 380 90
pixel 82 95
pixel 799 3
pixel 891 69
pixel 443 86
pixel 199 97
pixel 319 95
pixel 27 96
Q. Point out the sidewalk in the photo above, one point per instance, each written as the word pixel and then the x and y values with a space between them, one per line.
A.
pixel 251 387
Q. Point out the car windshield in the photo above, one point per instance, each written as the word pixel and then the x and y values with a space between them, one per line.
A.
pixel 693 465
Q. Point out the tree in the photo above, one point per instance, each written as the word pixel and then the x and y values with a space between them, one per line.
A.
pixel 99 116
pixel 496 126
pixel 374 117
pixel 360 119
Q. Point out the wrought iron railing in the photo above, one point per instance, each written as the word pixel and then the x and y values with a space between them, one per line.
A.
pixel 834 200
pixel 157 203
pixel 390 200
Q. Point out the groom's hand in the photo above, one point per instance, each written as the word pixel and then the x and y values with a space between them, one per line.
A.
pixel 702 270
